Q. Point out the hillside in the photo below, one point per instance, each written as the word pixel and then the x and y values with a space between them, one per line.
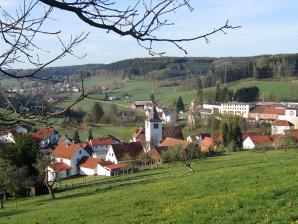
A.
pixel 247 187
pixel 203 71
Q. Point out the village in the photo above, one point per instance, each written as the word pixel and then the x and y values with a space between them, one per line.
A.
pixel 150 144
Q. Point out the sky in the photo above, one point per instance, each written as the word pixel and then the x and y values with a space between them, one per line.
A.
pixel 267 27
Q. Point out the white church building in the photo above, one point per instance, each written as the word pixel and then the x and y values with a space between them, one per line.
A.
pixel 153 128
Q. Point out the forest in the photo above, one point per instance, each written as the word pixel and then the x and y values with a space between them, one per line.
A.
pixel 189 72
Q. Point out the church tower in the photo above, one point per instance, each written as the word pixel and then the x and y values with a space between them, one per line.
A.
pixel 153 128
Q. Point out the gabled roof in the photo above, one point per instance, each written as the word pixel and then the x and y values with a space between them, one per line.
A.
pixel 65 151
pixel 128 151
pixel 277 111
pixel 101 141
pixel 282 123
pixel 260 139
pixel 43 133
pixel 91 163
pixel 246 134
pixel 172 142
pixel 57 167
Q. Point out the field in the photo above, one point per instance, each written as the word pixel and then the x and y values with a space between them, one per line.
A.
pixel 141 90
pixel 283 90
pixel 246 187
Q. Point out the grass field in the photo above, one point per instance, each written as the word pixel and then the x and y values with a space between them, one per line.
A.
pixel 283 90
pixel 141 90
pixel 246 187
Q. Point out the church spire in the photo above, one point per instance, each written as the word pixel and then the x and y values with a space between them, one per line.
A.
pixel 155 116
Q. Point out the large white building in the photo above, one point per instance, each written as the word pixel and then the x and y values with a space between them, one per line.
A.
pixel 236 108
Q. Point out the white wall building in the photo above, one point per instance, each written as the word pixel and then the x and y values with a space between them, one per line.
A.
pixel 213 107
pixel 70 155
pixel 236 108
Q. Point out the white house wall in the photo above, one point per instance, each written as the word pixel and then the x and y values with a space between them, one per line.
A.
pixel 87 171
pixel 248 144
pixel 101 171
pixel 111 156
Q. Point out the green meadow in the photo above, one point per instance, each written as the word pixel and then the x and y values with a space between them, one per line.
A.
pixel 245 187
pixel 141 90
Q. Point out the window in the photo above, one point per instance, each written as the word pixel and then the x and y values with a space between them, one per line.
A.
pixel 155 125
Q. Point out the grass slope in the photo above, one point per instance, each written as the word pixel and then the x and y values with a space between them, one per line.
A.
pixel 283 90
pixel 245 188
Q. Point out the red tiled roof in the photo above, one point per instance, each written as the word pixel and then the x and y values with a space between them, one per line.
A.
pixel 170 142
pixel 43 133
pixel 246 134
pixel 260 139
pixel 277 111
pixel 65 151
pixel 57 167
pixel 90 162
pixel 114 166
pixel 206 143
pixel 282 123
pixel 101 141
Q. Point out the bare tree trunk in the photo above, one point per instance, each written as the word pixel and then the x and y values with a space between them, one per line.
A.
pixel 51 191
pixel 49 184
pixel 1 203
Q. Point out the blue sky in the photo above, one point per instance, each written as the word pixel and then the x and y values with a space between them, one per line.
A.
pixel 268 27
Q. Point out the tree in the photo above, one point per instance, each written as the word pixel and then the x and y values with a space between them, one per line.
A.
pixel 47 176
pixel 20 32
pixel 200 95
pixel 284 142
pixel 217 97
pixel 152 98
pixel 249 94
pixel 76 137
pixel 106 97
pixel 90 135
pixel 96 112
pixel 113 109
pixel 179 105
pixel 225 134
pixel 238 137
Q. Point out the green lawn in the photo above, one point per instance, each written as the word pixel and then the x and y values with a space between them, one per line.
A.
pixel 283 90
pixel 246 187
